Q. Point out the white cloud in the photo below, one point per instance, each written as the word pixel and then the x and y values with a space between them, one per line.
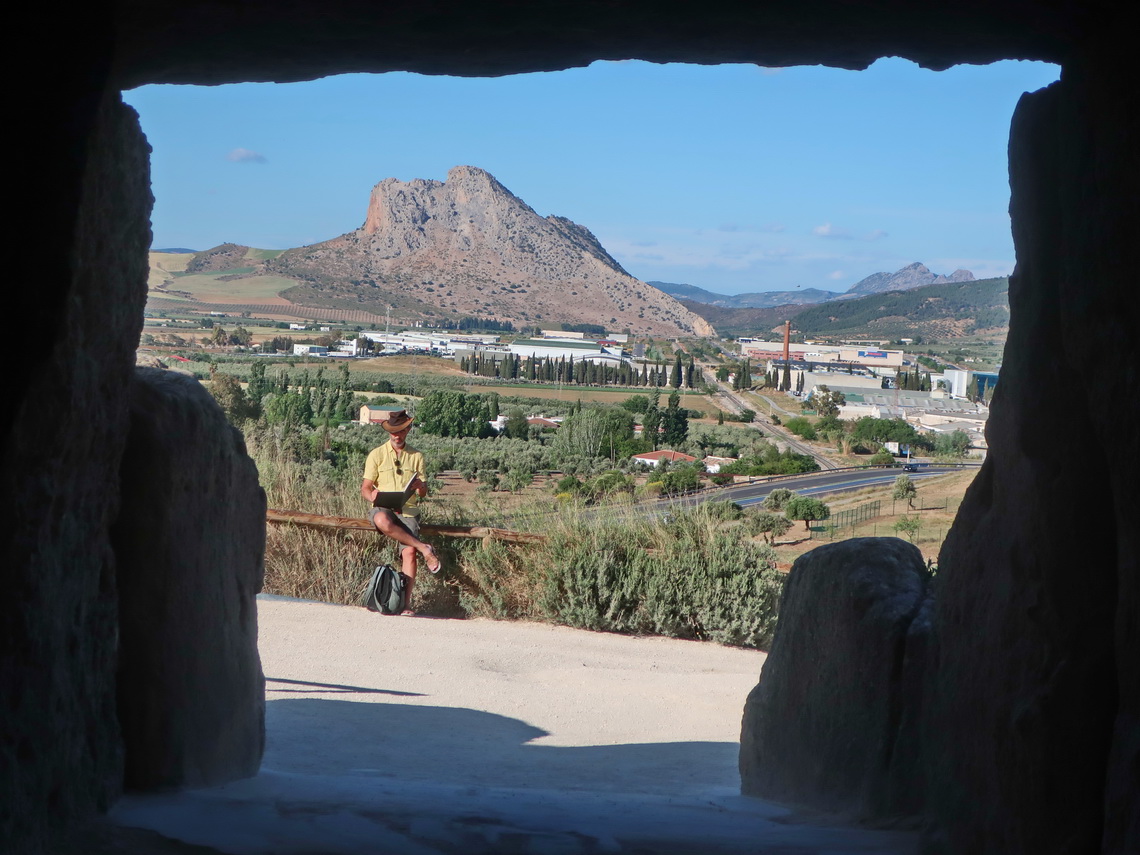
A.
pixel 244 155
pixel 827 230
pixel 766 229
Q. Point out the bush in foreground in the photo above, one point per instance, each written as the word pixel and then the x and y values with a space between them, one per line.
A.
pixel 692 577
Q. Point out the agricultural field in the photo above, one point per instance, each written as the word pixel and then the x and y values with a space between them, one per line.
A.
pixel 212 288
pixel 979 354
pixel 164 266
pixel 404 365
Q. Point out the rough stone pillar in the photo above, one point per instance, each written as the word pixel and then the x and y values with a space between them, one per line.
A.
pixel 830 723
pixel 190 543
pixel 1034 698
pixel 60 754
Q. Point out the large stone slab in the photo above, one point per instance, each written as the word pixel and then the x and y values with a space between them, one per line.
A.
pixel 822 725
pixel 65 418
pixel 190 543
pixel 1030 730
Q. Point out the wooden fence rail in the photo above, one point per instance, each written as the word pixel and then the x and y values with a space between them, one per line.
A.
pixel 325 523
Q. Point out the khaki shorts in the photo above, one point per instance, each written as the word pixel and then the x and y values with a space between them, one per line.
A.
pixel 411 523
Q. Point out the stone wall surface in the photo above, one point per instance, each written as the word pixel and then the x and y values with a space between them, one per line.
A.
pixel 224 42
pixel 60 754
pixel 1034 625
pixel 821 726
pixel 190 543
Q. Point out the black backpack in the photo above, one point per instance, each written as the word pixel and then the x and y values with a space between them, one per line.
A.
pixel 385 591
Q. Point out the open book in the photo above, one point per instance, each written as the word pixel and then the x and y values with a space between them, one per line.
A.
pixel 395 499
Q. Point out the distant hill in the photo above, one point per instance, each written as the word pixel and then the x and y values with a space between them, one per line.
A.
pixel 912 276
pixel 756 300
pixel 744 322
pixel 946 310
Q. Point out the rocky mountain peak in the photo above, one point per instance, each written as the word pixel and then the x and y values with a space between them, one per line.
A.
pixel 468 246
pixel 912 276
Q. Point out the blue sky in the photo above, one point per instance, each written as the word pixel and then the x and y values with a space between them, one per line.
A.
pixel 734 178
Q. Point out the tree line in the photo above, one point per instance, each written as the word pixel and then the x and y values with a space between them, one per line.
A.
pixel 583 372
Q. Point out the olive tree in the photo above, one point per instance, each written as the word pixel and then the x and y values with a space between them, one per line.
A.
pixel 905 489
pixel 769 525
pixel 807 509
pixel 776 500
pixel 908 526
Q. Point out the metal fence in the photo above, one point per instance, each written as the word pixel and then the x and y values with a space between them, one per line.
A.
pixel 842 524
pixel 854 516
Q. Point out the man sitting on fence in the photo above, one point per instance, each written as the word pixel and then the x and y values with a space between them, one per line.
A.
pixel 389 468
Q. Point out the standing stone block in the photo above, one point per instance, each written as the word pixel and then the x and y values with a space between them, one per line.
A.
pixel 190 543
pixel 822 725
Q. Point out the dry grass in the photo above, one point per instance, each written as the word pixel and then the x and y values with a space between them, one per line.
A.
pixel 945 490
pixel 330 567
pixel 208 288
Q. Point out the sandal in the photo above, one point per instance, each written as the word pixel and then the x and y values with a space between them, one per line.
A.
pixel 433 569
pixel 407 613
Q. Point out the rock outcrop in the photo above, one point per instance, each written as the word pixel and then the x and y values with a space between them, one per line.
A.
pixel 823 726
pixel 190 544
pixel 468 246
pixel 912 276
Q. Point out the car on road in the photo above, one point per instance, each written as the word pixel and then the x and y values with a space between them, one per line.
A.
pixel 910 467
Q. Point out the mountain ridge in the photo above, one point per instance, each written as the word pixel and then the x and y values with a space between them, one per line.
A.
pixel 914 275
pixel 468 246
pixel 940 310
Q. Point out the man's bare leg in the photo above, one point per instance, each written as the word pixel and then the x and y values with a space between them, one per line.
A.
pixel 408 568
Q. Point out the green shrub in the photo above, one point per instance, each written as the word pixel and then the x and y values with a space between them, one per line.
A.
pixel 776 499
pixel 801 427
pixel 691 578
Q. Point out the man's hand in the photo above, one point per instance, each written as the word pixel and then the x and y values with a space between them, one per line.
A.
pixel 420 487
pixel 369 490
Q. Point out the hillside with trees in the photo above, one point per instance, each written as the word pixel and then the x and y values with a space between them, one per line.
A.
pixel 933 311
pixel 946 310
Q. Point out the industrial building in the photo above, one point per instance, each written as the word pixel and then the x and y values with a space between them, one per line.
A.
pixel 876 359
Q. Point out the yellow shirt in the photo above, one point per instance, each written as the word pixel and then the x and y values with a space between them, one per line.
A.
pixel 390 472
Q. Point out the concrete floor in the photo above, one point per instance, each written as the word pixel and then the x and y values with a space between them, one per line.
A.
pixel 416 735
